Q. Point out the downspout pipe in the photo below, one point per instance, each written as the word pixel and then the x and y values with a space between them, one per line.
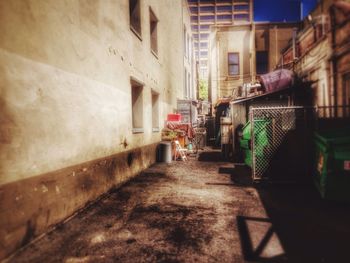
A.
pixel 334 58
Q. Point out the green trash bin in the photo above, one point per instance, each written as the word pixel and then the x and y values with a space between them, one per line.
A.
pixel 261 140
pixel 245 144
pixel 332 164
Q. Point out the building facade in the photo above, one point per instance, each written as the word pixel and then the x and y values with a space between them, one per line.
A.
pixel 240 53
pixel 207 13
pixel 85 87
pixel 190 62
pixel 321 55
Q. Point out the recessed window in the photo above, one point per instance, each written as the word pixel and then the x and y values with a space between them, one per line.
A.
pixel 262 62
pixel 346 94
pixel 137 106
pixel 155 112
pixel 153 31
pixel 135 16
pixel 233 64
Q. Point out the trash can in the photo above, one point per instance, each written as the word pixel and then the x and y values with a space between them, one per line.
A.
pixel 245 144
pixel 331 169
pixel 165 152
pixel 225 124
pixel 261 140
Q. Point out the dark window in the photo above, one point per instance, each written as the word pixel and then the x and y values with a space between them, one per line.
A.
pixel 155 111
pixel 137 106
pixel 262 62
pixel 153 31
pixel 233 64
pixel 346 94
pixel 135 16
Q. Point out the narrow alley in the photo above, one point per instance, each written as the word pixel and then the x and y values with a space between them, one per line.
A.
pixel 174 131
pixel 199 211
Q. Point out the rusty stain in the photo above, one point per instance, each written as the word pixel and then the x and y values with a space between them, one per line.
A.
pixel 124 143
pixel 78 187
pixel 44 188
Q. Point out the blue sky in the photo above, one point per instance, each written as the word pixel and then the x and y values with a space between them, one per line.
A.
pixel 281 10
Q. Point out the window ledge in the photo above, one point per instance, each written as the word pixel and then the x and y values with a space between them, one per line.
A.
pixel 155 129
pixel 233 77
pixel 136 33
pixel 137 130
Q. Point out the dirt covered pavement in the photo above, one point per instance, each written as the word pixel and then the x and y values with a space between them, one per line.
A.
pixel 178 212
pixel 203 210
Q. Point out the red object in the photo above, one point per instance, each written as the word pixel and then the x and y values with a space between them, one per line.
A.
pixel 174 117
pixel 277 80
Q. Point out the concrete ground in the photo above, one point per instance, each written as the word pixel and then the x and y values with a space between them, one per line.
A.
pixel 203 210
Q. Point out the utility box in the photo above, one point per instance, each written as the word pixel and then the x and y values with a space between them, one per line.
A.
pixel 188 111
pixel 331 171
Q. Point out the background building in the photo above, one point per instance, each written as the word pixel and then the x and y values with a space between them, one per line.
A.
pixel 85 87
pixel 205 13
pixel 321 55
pixel 240 53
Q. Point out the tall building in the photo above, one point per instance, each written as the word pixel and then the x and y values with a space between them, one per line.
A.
pixel 205 13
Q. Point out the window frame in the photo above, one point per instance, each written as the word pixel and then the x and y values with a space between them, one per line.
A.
pixel 137 32
pixel 228 64
pixel 155 107
pixel 265 52
pixel 137 125
pixel 153 18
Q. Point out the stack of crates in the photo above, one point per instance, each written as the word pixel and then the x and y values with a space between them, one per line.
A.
pixel 331 171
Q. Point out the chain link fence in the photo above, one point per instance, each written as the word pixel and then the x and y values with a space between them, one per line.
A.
pixel 281 138
pixel 279 141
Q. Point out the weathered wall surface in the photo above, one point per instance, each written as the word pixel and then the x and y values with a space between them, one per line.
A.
pixel 315 66
pixel 189 56
pixel 273 37
pixel 235 39
pixel 214 70
pixel 65 101
pixel 279 36
pixel 244 39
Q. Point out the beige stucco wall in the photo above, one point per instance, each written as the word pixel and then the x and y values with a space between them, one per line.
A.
pixel 245 39
pixel 189 59
pixel 214 70
pixel 233 39
pixel 278 40
pixel 65 104
pixel 65 69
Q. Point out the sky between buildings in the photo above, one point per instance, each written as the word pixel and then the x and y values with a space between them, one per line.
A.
pixel 282 10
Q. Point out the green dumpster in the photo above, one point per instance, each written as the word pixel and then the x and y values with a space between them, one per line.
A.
pixel 245 144
pixel 261 140
pixel 332 164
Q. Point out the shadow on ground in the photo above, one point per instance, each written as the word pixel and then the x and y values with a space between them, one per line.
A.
pixel 307 228
pixel 213 156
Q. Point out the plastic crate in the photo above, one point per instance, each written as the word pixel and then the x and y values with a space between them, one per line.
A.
pixel 174 117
